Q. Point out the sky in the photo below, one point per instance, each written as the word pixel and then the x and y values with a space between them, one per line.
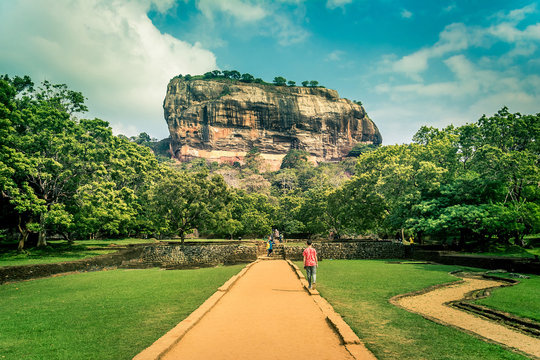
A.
pixel 410 62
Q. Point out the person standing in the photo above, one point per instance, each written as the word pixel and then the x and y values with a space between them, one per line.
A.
pixel 269 246
pixel 310 264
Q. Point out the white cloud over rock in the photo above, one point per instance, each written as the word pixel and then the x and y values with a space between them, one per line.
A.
pixel 109 50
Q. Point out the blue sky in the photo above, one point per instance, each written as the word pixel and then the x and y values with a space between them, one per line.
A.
pixel 411 63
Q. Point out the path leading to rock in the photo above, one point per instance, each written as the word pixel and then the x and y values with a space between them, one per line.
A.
pixel 266 314
pixel 431 305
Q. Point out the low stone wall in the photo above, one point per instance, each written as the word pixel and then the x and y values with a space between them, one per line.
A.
pixel 351 250
pixel 178 256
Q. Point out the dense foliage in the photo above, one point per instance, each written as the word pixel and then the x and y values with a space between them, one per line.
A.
pixel 234 75
pixel 61 175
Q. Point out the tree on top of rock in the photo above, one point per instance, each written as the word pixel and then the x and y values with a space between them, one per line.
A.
pixel 280 81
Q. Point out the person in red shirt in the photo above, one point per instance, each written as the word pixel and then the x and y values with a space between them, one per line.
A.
pixel 310 264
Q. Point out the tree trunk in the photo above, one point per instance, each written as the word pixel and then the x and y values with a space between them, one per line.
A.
pixel 182 237
pixel 23 235
pixel 22 240
pixel 42 237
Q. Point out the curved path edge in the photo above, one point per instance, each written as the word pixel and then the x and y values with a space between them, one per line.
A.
pixel 162 345
pixel 434 303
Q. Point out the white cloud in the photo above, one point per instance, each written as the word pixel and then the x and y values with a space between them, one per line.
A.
pixel 335 55
pixel 241 10
pixel 406 14
pixel 252 17
pixel 333 4
pixel 447 83
pixel 518 15
pixel 449 8
pixel 110 51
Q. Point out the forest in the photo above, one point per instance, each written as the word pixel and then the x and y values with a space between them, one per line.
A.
pixel 64 176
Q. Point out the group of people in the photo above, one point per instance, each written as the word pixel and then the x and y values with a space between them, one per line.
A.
pixel 310 257
pixel 272 238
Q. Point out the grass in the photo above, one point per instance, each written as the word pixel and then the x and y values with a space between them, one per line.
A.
pixel 511 251
pixel 521 299
pixel 60 250
pixel 360 289
pixel 49 254
pixel 99 315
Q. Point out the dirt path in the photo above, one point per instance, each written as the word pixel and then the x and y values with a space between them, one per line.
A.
pixel 431 305
pixel 265 315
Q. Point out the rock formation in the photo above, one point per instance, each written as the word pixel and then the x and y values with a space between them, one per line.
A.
pixel 221 120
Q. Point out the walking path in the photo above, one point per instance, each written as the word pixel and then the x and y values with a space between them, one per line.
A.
pixel 267 314
pixel 431 305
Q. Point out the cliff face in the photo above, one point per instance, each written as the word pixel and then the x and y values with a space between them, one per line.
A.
pixel 222 121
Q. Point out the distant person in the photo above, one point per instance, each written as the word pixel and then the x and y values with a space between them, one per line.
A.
pixel 280 238
pixel 310 264
pixel 269 246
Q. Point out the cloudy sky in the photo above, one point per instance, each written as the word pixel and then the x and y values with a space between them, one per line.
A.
pixel 410 62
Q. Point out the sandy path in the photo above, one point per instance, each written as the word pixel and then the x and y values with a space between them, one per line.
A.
pixel 430 304
pixel 265 315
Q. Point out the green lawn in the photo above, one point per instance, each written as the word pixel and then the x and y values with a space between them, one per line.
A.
pixel 522 299
pixel 360 289
pixel 100 315
pixel 49 254
pixel 510 250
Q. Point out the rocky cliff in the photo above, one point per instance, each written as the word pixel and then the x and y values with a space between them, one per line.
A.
pixel 222 120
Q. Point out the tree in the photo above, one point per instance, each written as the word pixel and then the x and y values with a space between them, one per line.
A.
pixel 291 83
pixel 280 81
pixel 360 148
pixel 235 75
pixel 254 211
pixel 313 83
pixel 253 159
pixel 305 83
pixel 184 201
pixel 248 78
pixel 294 158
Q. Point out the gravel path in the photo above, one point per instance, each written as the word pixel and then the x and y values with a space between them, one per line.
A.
pixel 265 315
pixel 431 305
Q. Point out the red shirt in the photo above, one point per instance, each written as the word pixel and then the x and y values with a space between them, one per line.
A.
pixel 310 256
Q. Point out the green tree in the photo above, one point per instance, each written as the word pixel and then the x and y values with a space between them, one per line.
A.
pixel 313 83
pixel 305 83
pixel 294 158
pixel 291 83
pixel 248 78
pixel 280 81
pixel 182 201
pixel 235 75
pixel 253 159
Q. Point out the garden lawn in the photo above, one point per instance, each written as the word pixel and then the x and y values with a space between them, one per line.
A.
pixel 360 289
pixel 49 254
pixel 522 299
pixel 100 315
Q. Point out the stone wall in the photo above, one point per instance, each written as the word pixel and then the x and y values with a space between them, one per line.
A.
pixel 178 256
pixel 351 250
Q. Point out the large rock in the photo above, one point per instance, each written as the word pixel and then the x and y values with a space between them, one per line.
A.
pixel 221 120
